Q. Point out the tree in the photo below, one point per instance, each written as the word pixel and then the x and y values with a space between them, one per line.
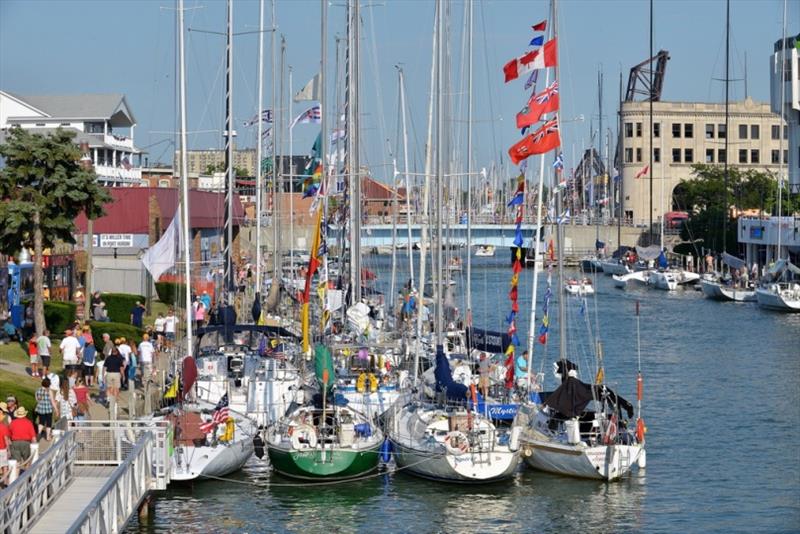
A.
pixel 705 198
pixel 44 188
pixel 220 167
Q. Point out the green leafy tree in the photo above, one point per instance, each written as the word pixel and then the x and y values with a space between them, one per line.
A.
pixel 704 197
pixel 44 188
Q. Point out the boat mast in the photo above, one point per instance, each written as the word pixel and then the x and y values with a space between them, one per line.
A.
pixel 781 126
pixel 276 257
pixel 727 127
pixel 469 163
pixel 423 243
pixel 407 181
pixel 562 326
pixel 230 178
pixel 259 131
pixel 440 163
pixel 187 246
pixel 597 208
pixel 620 205
pixel 291 175
pixel 650 100
pixel 354 170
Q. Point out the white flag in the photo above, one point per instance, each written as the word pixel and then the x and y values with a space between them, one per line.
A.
pixel 161 257
pixel 310 91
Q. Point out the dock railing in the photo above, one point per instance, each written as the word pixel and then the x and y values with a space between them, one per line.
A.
pixel 38 486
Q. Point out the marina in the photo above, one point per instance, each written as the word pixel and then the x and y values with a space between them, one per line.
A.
pixel 467 323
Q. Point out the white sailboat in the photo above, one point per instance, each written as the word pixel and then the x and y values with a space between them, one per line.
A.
pixel 445 440
pixel 717 288
pixel 784 293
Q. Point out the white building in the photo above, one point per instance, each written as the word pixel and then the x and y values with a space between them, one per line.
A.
pixel 785 98
pixel 103 121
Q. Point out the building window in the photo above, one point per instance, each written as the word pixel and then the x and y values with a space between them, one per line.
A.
pixel 628 155
pixel 41 124
pixel 786 132
pixel 742 156
pixel 629 129
pixel 755 132
pixel 66 124
pixel 163 183
pixel 657 155
pixel 656 129
pixel 722 156
pixel 688 130
pixel 776 132
pixel 638 129
pixel 709 155
pixel 709 131
pixel 775 157
pixel 742 131
pixel 676 155
pixel 786 157
pixel 722 131
pixel 638 155
pixel 688 155
pixel 676 129
pixel 755 156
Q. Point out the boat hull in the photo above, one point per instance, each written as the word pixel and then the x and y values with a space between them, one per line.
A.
pixel 609 268
pixel 468 468
pixel 773 300
pixel 716 291
pixel 324 464
pixel 207 462
pixel 604 462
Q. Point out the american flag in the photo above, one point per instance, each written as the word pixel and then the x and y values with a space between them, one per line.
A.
pixel 219 416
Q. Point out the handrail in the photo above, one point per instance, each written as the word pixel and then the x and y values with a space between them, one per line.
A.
pixel 115 503
pixel 37 487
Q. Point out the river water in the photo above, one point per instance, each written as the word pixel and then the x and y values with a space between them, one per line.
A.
pixel 722 406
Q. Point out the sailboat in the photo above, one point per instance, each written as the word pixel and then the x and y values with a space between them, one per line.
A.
pixel 783 294
pixel 578 429
pixel 444 438
pixel 719 288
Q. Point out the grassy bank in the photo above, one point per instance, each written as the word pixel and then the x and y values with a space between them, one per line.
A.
pixel 21 387
pixel 14 352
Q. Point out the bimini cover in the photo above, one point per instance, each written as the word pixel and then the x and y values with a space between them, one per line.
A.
pixel 648 253
pixel 444 379
pixel 732 261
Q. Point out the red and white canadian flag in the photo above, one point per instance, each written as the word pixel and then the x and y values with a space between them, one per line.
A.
pixel 535 59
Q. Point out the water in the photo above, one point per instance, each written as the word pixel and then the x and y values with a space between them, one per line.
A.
pixel 722 406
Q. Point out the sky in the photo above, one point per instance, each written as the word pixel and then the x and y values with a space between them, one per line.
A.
pixel 128 46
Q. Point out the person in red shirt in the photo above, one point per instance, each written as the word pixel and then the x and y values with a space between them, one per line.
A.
pixel 33 354
pixel 82 396
pixel 5 440
pixel 22 435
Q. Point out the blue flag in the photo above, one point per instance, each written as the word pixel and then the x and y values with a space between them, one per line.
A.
pixel 537 41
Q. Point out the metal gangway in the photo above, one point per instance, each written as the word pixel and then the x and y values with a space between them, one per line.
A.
pixel 111 465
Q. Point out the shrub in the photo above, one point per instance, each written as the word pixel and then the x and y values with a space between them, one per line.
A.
pixel 119 305
pixel 170 292
pixel 58 316
pixel 115 330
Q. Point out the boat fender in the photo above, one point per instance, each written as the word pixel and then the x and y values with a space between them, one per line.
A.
pixel 361 382
pixel 456 443
pixel 642 459
pixel 527 451
pixel 513 442
pixel 304 435
pixel 386 451
pixel 258 446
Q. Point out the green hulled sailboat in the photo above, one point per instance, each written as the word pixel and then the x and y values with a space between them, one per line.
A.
pixel 324 439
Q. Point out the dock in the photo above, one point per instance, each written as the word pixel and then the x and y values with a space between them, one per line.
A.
pixel 111 465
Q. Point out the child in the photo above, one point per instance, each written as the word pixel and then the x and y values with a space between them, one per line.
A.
pixel 82 398
pixel 33 353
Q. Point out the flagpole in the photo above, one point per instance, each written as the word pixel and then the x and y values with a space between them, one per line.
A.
pixel 259 155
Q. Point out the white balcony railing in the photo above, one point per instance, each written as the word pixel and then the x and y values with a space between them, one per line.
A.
pixel 118 141
pixel 107 173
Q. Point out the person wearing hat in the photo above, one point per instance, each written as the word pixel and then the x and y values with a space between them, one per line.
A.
pixel 11 405
pixel 70 349
pixel 22 435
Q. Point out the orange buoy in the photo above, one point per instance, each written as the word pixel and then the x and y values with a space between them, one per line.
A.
pixel 640 430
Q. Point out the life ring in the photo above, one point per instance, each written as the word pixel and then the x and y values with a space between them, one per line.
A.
pixel 361 382
pixel 303 436
pixel 456 443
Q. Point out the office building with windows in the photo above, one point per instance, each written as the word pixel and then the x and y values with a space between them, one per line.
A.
pixel 685 133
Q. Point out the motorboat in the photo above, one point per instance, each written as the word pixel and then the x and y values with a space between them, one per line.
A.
pixel 485 251
pixel 580 287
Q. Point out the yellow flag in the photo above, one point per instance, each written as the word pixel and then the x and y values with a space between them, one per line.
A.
pixel 172 392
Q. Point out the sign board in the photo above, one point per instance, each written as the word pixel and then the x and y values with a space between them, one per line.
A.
pixel 113 240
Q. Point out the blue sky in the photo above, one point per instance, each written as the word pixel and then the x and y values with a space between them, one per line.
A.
pixel 129 47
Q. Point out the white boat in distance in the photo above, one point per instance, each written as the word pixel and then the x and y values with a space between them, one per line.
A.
pixel 485 251
pixel 716 290
pixel 579 287
pixel 781 296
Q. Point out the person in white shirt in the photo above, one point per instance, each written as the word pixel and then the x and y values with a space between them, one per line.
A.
pixel 146 351
pixel 158 325
pixel 125 351
pixel 69 350
pixel 170 322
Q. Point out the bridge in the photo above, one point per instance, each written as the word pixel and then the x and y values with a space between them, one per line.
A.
pixel 111 465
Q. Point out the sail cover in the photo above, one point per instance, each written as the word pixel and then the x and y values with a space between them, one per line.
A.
pixel 444 379
pixel 572 396
pixel 732 261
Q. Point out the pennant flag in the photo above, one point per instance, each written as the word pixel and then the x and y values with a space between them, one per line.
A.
pixel 312 115
pixel 532 79
pixel 542 141
pixel 537 41
pixel 540 27
pixel 310 91
pixel 219 416
pixel 563 218
pixel 538 105
pixel 313 265
pixel 161 257
pixel 172 391
pixel 559 162
pixel 642 172
pixel 535 59
pixel 615 172
pixel 266 116
pixel 516 200
pixel 551 251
